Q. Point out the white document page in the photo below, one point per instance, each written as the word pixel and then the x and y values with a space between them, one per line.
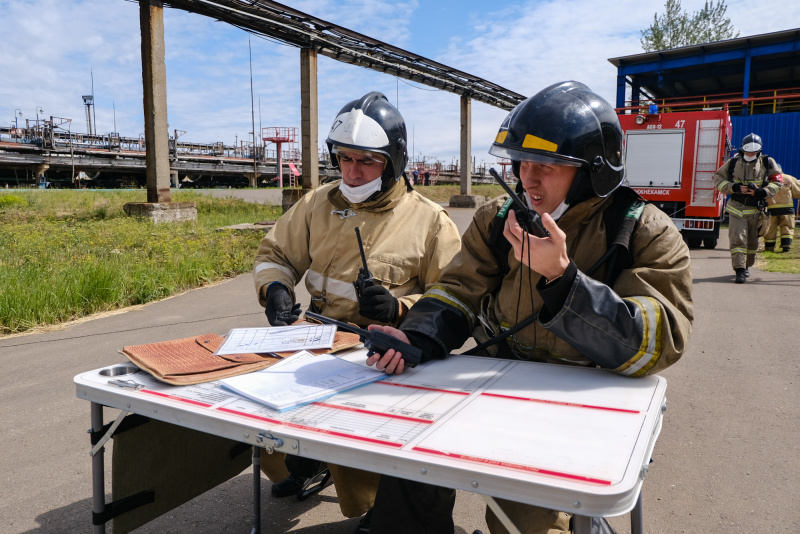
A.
pixel 300 379
pixel 552 420
pixel 278 339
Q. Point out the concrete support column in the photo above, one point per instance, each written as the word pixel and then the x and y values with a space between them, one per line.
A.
pixel 466 145
pixel 309 118
pixel 466 199
pixel 154 82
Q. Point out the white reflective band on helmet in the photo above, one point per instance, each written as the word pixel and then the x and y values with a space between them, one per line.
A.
pixel 751 147
pixel 357 130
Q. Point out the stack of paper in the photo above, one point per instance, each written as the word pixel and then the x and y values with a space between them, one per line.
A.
pixel 301 379
pixel 278 339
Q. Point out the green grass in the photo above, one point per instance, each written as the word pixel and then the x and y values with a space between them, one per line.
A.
pixel 442 193
pixel 67 254
pixel 777 262
pixel 782 262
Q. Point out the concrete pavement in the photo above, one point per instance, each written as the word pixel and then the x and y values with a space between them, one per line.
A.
pixel 727 459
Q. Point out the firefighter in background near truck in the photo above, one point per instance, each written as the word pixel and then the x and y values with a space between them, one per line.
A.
pixel 749 178
pixel 407 238
pixel 781 215
pixel 565 145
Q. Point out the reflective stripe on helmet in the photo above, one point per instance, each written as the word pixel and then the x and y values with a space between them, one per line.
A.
pixel 356 130
pixel 751 147
pixel 751 143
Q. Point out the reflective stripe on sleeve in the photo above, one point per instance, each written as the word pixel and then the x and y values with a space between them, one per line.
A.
pixel 650 349
pixel 317 283
pixel 441 293
pixel 267 265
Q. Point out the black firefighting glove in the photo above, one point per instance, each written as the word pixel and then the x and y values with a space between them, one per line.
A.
pixel 737 187
pixel 377 303
pixel 760 194
pixel 280 309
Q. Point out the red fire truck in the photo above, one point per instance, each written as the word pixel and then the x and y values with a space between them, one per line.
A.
pixel 671 159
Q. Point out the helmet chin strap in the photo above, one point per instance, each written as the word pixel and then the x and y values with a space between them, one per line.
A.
pixel 581 188
pixel 388 179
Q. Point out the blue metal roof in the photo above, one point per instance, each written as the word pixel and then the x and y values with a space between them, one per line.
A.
pixel 734 66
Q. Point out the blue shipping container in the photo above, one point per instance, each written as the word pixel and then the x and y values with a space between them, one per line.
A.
pixel 780 133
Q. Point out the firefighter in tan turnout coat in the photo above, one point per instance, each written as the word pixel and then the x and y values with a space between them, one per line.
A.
pixel 749 178
pixel 610 287
pixel 408 240
pixel 781 215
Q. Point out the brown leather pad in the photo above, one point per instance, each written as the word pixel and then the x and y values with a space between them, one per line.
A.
pixel 192 360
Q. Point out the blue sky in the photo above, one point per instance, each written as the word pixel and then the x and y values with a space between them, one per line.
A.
pixel 51 48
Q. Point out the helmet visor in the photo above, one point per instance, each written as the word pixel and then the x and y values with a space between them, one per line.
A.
pixel 517 154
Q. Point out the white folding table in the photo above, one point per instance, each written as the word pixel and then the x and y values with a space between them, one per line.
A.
pixel 567 438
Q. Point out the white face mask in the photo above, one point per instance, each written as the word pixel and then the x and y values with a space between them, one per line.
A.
pixel 360 193
pixel 557 213
pixel 750 158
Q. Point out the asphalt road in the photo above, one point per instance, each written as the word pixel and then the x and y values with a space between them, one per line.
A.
pixel 726 461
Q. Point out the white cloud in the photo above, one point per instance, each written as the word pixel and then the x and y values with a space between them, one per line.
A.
pixel 51 48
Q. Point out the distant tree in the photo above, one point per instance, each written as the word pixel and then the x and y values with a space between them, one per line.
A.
pixel 677 28
pixel 710 24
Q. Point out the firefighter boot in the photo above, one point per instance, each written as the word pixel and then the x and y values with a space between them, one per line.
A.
pixel 747 272
pixel 786 243
pixel 740 276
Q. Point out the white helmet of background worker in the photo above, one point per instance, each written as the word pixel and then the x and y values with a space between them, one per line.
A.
pixel 566 124
pixel 751 143
pixel 371 124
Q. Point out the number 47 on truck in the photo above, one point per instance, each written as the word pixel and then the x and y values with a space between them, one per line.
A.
pixel 671 159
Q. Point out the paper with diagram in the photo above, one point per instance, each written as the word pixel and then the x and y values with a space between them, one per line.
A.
pixel 278 339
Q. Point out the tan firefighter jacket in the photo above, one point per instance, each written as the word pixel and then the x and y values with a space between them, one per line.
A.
pixel 639 326
pixel 782 203
pixel 753 174
pixel 407 242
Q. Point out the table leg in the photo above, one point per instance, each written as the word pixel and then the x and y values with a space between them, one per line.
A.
pixel 501 515
pixel 582 524
pixel 256 490
pixel 637 517
pixel 98 471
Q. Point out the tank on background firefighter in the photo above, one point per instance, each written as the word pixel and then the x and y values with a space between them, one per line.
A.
pixel 749 177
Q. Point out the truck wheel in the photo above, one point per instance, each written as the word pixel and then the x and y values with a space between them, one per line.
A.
pixel 693 242
pixel 710 243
